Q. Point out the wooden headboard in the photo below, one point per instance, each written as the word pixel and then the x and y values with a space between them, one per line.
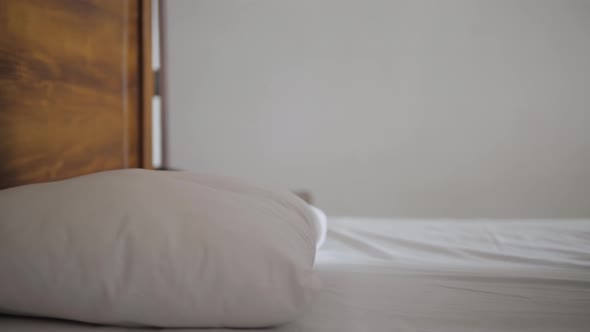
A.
pixel 75 88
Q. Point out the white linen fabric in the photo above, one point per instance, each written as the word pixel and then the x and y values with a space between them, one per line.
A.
pixel 321 224
pixel 154 248
pixel 436 275
pixel 452 276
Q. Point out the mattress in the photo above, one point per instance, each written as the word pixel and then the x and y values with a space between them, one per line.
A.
pixel 436 275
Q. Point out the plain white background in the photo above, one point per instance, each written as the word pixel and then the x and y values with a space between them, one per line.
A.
pixel 457 108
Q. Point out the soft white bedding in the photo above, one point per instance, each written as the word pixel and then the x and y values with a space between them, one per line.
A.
pixel 438 275
pixel 136 247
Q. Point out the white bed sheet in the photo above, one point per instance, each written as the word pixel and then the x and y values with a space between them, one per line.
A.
pixel 437 275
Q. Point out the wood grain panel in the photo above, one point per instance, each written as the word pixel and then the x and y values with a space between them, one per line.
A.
pixel 70 88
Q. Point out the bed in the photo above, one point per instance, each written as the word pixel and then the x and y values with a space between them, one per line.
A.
pixel 436 275
pixel 62 116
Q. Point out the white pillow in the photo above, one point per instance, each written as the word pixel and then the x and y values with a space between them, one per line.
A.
pixel 321 225
pixel 154 248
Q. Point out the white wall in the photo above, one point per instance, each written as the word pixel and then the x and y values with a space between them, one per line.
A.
pixel 456 108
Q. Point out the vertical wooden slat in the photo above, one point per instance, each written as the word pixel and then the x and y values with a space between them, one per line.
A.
pixel 163 84
pixel 147 83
